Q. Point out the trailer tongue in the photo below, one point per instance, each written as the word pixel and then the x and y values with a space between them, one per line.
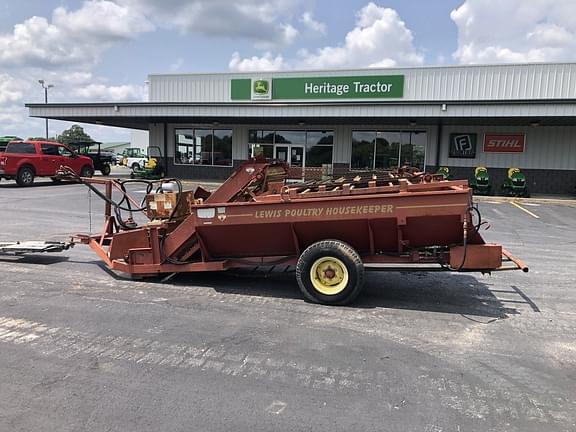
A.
pixel 330 230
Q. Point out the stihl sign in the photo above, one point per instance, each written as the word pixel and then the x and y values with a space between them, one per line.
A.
pixel 508 143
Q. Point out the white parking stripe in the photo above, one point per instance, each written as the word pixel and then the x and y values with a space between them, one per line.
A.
pixel 515 204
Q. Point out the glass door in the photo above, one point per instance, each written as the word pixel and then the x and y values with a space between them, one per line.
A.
pixel 413 149
pixel 297 161
pixel 281 153
pixel 294 155
pixel 297 156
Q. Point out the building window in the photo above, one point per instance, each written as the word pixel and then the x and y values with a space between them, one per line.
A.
pixel 203 147
pixel 372 150
pixel 279 144
pixel 319 146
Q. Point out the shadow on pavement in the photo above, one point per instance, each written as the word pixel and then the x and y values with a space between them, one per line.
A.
pixel 34 259
pixel 451 293
pixel 434 292
pixel 454 293
pixel 36 184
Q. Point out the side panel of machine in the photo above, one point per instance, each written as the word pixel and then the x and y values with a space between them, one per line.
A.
pixel 369 224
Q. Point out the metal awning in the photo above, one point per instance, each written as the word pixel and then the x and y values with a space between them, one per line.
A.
pixel 138 115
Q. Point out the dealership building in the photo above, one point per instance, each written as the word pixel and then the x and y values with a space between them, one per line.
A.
pixel 342 121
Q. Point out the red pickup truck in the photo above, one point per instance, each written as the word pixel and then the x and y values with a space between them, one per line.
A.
pixel 25 160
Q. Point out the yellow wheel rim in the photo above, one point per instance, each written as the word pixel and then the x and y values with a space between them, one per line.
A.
pixel 329 275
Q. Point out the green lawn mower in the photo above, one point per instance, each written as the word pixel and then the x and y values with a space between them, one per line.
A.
pixel 153 169
pixel 515 184
pixel 481 184
pixel 444 172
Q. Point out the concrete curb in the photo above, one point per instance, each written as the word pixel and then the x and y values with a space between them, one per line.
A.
pixel 560 201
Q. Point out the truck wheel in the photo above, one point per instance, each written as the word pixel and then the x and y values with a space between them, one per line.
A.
pixel 105 170
pixel 135 166
pixel 330 272
pixel 86 171
pixel 25 176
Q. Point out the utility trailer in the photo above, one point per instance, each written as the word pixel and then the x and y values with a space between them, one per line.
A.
pixel 331 231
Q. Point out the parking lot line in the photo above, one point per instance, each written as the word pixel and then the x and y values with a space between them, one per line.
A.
pixel 515 204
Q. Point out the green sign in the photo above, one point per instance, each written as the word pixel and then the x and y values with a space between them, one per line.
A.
pixel 332 87
pixel 363 87
pixel 240 89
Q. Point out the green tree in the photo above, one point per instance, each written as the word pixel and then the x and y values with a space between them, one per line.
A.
pixel 42 139
pixel 74 134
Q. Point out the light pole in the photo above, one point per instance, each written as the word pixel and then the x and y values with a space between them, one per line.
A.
pixel 45 87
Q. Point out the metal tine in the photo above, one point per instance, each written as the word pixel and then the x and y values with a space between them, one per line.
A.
pixel 383 178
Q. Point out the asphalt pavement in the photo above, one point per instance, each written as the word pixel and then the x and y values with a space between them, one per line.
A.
pixel 83 349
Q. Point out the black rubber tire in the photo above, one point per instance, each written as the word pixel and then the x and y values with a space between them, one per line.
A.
pixel 86 171
pixel 105 170
pixel 25 176
pixel 335 249
pixel 135 166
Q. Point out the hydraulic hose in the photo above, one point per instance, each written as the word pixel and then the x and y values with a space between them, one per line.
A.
pixel 124 204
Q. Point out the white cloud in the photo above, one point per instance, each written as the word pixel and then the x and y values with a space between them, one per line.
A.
pixel 73 78
pixel 289 33
pixel 495 31
pixel 71 38
pixel 311 24
pixel 267 23
pixel 62 50
pixel 13 123
pixel 380 39
pixel 102 20
pixel 177 65
pixel 113 93
pixel 265 63
pixel 11 89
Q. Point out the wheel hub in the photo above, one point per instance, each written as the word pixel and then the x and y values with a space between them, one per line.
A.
pixel 329 275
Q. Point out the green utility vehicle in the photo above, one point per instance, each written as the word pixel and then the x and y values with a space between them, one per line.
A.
pixel 102 159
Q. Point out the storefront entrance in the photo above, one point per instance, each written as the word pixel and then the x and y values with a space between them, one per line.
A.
pixel 294 155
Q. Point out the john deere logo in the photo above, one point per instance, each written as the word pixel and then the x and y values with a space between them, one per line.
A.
pixel 261 89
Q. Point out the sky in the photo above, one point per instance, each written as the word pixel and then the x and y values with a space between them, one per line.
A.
pixel 103 50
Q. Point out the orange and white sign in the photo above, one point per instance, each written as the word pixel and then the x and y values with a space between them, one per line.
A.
pixel 504 143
